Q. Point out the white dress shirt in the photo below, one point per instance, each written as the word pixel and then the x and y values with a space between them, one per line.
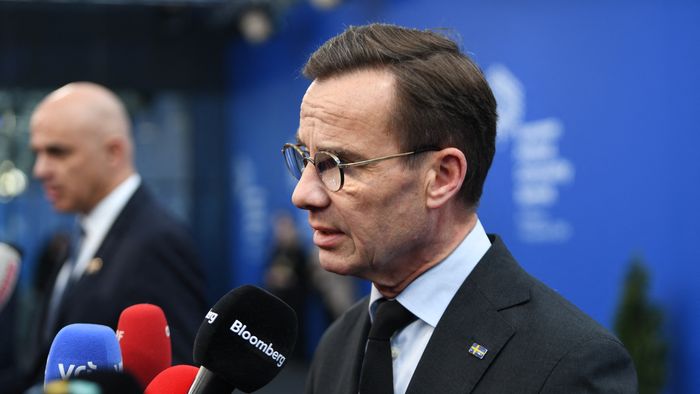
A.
pixel 427 297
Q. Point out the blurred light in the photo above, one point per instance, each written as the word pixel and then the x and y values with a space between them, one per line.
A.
pixel 325 4
pixel 256 25
pixel 12 180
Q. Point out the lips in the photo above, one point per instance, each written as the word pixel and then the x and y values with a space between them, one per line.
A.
pixel 326 237
pixel 51 193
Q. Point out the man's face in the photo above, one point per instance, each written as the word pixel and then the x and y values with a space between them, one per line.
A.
pixel 374 226
pixel 70 158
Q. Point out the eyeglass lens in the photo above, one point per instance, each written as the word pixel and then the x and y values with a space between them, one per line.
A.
pixel 326 167
pixel 295 162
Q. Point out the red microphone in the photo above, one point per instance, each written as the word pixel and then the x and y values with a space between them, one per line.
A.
pixel 9 271
pixel 144 338
pixel 174 380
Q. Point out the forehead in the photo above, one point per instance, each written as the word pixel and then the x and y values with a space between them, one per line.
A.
pixel 53 123
pixel 353 109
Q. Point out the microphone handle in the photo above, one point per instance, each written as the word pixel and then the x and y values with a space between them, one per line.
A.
pixel 207 382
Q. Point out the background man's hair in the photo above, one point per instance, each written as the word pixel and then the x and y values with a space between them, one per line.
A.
pixel 443 99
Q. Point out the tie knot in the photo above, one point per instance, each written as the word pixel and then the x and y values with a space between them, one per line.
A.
pixel 389 318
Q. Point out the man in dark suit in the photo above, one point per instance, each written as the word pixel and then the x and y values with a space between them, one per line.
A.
pixel 131 250
pixel 396 136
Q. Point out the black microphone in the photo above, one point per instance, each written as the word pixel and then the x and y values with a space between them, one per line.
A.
pixel 243 342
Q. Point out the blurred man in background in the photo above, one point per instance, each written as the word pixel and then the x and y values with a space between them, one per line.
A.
pixel 288 277
pixel 396 136
pixel 128 250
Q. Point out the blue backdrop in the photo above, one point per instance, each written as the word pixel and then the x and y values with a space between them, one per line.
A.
pixel 596 160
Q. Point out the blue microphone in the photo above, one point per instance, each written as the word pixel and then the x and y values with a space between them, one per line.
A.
pixel 80 349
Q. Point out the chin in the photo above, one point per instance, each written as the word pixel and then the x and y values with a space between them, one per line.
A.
pixel 59 208
pixel 63 207
pixel 335 265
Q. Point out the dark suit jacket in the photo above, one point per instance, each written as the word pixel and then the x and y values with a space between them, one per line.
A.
pixel 537 342
pixel 147 257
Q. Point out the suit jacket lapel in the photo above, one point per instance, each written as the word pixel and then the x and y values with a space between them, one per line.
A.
pixel 472 317
pixel 357 340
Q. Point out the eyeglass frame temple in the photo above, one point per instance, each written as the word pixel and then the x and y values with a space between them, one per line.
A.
pixel 357 163
pixel 368 161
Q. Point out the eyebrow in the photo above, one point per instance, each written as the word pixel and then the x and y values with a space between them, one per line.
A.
pixel 346 156
pixel 53 149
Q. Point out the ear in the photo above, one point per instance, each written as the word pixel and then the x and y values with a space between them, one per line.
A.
pixel 449 168
pixel 116 150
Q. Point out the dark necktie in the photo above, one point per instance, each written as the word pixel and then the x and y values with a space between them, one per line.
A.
pixel 63 282
pixel 376 376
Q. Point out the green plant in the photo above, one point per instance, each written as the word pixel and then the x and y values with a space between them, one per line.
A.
pixel 638 325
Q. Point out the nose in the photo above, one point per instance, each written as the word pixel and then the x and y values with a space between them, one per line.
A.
pixel 310 192
pixel 41 167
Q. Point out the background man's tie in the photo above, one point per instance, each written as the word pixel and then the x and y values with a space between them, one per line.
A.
pixel 63 282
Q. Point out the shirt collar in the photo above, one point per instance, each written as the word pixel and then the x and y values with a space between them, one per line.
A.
pixel 100 219
pixel 428 295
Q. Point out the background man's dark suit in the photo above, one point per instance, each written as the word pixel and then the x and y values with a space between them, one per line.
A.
pixel 536 340
pixel 147 257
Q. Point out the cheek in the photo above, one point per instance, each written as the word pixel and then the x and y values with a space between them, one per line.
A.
pixel 380 220
pixel 80 178
pixel 380 202
pixel 72 168
pixel 399 212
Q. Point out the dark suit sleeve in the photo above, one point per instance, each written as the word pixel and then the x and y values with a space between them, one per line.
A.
pixel 599 365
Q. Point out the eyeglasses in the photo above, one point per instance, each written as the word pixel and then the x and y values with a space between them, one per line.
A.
pixel 328 166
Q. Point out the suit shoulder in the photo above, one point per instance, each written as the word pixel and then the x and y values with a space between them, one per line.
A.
pixel 143 206
pixel 528 304
pixel 146 216
pixel 598 364
pixel 555 346
pixel 564 316
pixel 570 346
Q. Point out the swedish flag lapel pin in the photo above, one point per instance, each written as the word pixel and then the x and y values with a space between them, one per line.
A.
pixel 478 351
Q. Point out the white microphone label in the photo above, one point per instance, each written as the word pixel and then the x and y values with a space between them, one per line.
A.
pixel 240 329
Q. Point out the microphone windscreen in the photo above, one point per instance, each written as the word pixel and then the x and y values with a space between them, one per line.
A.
pixel 144 339
pixel 9 272
pixel 174 380
pixel 79 349
pixel 246 337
